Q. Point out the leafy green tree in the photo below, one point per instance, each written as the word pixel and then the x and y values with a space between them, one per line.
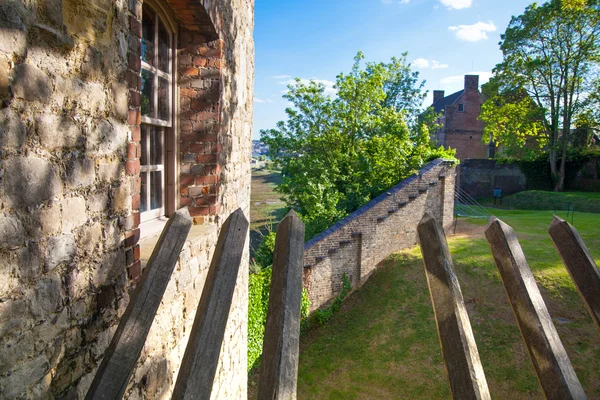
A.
pixel 513 120
pixel 337 153
pixel 552 52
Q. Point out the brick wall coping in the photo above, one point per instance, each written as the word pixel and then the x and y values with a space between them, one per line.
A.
pixel 363 209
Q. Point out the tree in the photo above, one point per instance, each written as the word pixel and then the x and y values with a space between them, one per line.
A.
pixel 552 52
pixel 337 153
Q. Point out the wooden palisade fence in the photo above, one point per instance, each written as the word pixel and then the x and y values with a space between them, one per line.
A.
pixel 279 367
pixel 551 363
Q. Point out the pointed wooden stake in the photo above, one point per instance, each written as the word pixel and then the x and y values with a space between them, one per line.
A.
pixel 579 263
pixel 201 357
pixel 550 360
pixel 463 366
pixel 279 363
pixel 124 350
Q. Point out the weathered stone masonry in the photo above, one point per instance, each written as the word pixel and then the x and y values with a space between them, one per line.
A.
pixel 70 186
pixel 355 245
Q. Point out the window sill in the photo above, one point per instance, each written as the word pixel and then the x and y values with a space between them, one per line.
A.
pixel 151 233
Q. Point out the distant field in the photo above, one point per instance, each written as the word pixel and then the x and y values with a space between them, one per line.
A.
pixel 266 207
pixel 383 343
pixel 542 200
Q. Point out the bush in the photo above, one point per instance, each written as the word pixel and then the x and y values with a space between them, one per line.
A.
pixel 259 286
pixel 264 253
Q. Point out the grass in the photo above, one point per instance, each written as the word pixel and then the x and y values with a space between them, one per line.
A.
pixel 383 343
pixel 542 200
pixel 266 207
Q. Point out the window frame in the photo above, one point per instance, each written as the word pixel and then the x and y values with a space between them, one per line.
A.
pixel 170 126
pixel 461 105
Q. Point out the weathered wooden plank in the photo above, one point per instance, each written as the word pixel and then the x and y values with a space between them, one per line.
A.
pixel 279 363
pixel 463 366
pixel 550 360
pixel 124 350
pixel 201 357
pixel 579 263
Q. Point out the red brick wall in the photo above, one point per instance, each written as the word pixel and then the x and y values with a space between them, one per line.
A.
pixel 463 129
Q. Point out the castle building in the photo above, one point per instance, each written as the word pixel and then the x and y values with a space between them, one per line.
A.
pixel 114 114
pixel 460 127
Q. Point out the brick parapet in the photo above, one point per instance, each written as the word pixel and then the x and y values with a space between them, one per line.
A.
pixel 384 225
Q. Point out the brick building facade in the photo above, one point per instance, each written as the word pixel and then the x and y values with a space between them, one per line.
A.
pixel 460 127
pixel 113 114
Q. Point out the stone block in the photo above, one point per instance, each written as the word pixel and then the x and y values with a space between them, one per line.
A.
pixel 120 100
pixel 112 266
pixel 12 129
pixel 56 131
pixel 32 180
pixel 15 348
pixel 29 263
pixel 13 35
pixel 47 297
pixel 81 173
pixel 14 316
pixel 50 219
pixel 8 281
pixel 61 249
pixel 98 202
pixel 52 328
pixel 78 283
pixel 12 234
pixel 106 137
pixel 74 213
pixel 92 97
pixel 110 171
pixel 23 377
pixel 30 83
pixel 122 198
pixel 91 239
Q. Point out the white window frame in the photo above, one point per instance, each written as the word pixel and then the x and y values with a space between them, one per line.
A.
pixel 463 107
pixel 169 139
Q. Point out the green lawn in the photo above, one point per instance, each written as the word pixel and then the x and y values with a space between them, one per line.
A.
pixel 541 200
pixel 266 207
pixel 383 343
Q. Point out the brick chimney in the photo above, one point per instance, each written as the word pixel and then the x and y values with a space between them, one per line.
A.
pixel 437 95
pixel 471 83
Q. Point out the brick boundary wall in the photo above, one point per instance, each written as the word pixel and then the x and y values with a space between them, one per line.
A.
pixel 479 177
pixel 356 244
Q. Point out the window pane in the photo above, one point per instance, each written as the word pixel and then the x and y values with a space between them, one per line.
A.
pixel 148 35
pixel 156 146
pixel 163 99
pixel 143 141
pixel 144 192
pixel 156 189
pixel 164 44
pixel 147 96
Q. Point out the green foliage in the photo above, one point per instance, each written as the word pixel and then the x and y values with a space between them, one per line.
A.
pixel 264 253
pixel 259 286
pixel 337 153
pixel 551 54
pixel 322 316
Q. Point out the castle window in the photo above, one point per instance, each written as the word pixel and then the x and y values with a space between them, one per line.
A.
pixel 461 107
pixel 157 130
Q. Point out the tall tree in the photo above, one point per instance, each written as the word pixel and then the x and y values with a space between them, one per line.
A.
pixel 552 52
pixel 338 152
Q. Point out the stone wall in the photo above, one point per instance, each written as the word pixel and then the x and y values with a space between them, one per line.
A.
pixel 478 178
pixel 70 187
pixel 355 245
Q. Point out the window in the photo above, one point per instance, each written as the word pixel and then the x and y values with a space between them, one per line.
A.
pixel 157 130
pixel 461 107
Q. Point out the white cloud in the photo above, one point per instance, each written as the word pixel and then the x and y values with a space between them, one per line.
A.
pixel 257 100
pixel 475 32
pixel 424 63
pixel 457 4
pixel 420 63
pixel 438 65
pixel 404 1
pixel 329 89
pixel 484 77
pixel 281 77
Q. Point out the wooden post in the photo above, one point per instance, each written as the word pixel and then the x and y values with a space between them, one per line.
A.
pixel 124 350
pixel 199 364
pixel 579 263
pixel 279 363
pixel 463 366
pixel 550 360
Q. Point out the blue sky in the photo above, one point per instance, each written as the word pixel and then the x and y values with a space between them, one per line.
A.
pixel 317 39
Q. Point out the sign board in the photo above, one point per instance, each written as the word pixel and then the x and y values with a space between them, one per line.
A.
pixel 497 192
